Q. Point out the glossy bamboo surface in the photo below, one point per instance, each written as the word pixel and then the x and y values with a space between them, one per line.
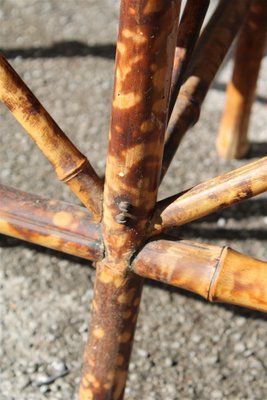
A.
pixel 210 196
pixel 233 134
pixel 215 273
pixel 207 58
pixel 50 223
pixel 71 166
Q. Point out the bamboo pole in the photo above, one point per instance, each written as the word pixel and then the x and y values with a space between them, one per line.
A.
pixel 50 223
pixel 210 51
pixel 233 141
pixel 71 166
pixel 215 273
pixel 210 196
pixel 144 60
pixel 188 32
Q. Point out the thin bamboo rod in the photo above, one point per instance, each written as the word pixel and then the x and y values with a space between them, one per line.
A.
pixel 215 273
pixel 210 196
pixel 71 166
pixel 50 223
pixel 210 51
pixel 233 141
pixel 144 60
pixel 188 32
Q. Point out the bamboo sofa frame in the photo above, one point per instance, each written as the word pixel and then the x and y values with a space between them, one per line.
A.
pixel 122 226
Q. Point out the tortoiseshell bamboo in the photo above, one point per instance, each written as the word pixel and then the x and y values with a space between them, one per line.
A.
pixel 215 273
pixel 50 223
pixel 210 196
pixel 188 32
pixel 233 134
pixel 210 51
pixel 71 166
pixel 144 60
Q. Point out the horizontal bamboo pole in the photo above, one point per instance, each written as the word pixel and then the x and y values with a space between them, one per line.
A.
pixel 71 166
pixel 210 196
pixel 215 273
pixel 212 272
pixel 50 223
pixel 207 58
pixel 188 32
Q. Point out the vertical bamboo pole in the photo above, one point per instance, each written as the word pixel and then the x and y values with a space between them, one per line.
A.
pixel 145 52
pixel 232 140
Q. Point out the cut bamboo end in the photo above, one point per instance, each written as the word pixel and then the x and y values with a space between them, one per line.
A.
pixel 69 163
pixel 215 273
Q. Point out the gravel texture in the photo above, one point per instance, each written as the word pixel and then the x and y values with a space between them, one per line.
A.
pixel 184 347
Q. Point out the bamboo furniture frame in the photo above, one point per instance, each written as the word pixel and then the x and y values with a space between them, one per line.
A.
pixel 123 226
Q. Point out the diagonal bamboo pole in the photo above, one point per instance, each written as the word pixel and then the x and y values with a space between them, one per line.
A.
pixel 210 196
pixel 215 273
pixel 144 60
pixel 50 223
pixel 70 165
pixel 232 140
pixel 188 32
pixel 210 51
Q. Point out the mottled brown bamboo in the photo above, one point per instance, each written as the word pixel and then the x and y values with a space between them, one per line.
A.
pixel 207 58
pixel 215 273
pixel 50 223
pixel 210 196
pixel 188 32
pixel 144 60
pixel 71 166
pixel 233 134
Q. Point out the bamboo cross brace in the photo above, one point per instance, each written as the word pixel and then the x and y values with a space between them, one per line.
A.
pixel 71 166
pixel 210 196
pixel 188 32
pixel 213 272
pixel 207 58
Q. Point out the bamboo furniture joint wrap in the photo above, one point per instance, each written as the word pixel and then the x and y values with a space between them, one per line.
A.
pixel 163 71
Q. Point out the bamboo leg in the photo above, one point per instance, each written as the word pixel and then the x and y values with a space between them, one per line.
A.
pixel 70 165
pixel 210 51
pixel 145 52
pixel 232 141
pixel 208 197
pixel 188 32
pixel 50 223
pixel 215 273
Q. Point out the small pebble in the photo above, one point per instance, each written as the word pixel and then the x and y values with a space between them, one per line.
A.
pixel 59 366
pixel 221 222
